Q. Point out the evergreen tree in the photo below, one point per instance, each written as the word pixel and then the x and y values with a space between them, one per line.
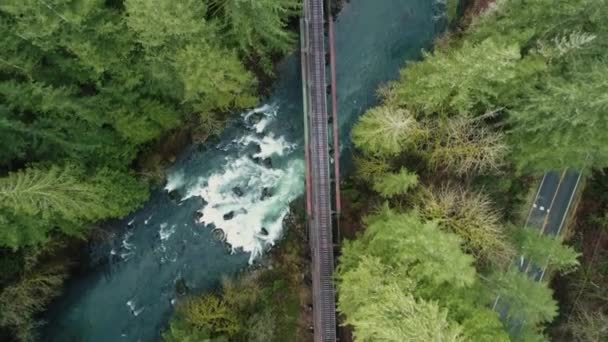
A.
pixel 258 27
pixel 467 80
pixel 545 251
pixel 395 183
pixel 401 266
pixel 160 23
pixel 410 319
pixel 563 124
pixel 525 301
pixel 208 89
pixel 36 200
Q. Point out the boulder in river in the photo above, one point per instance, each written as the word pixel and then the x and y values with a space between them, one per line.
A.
pixel 218 234
pixel 174 195
pixel 238 191
pixel 267 162
pixel 229 215
pixel 180 287
pixel 266 192
pixel 256 117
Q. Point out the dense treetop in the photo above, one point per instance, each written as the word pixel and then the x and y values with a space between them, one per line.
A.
pixel 533 69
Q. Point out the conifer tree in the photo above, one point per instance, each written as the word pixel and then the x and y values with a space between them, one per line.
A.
pixel 36 200
pixel 395 183
pixel 257 27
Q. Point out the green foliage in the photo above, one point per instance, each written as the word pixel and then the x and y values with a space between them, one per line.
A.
pixel 411 319
pixel 524 89
pixel 386 131
pixel 390 277
pixel 466 80
pixel 545 251
pixel 452 9
pixel 257 27
pixel 469 307
pixel 564 109
pixel 159 22
pixel 180 331
pixel 395 183
pixel 209 313
pixel 209 89
pixel 368 167
pixel 526 300
pixel 36 200
pixel 419 248
pixel 56 191
pixel 262 327
pixel 535 68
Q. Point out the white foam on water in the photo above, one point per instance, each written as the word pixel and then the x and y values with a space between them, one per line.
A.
pixel 175 180
pixel 125 242
pixel 269 145
pixel 266 108
pixel 148 219
pixel 132 307
pixel 261 125
pixel 252 215
pixel 165 232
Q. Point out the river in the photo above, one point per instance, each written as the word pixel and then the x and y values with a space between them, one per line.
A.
pixel 242 183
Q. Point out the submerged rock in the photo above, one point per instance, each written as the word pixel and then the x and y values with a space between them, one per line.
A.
pixel 181 287
pixel 263 231
pixel 256 117
pixel 238 191
pixel 174 195
pixel 218 234
pixel 229 215
pixel 198 215
pixel 266 192
pixel 267 162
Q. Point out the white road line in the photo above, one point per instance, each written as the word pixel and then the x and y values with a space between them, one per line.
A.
pixel 561 225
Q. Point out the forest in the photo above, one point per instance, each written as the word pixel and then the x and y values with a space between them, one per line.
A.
pixel 89 90
pixel 446 165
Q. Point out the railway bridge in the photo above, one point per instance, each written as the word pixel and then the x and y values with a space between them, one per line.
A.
pixel 322 159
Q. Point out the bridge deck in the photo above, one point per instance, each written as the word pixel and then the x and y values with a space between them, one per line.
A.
pixel 319 187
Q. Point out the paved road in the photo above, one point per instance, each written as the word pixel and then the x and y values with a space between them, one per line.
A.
pixel 558 213
pixel 548 214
